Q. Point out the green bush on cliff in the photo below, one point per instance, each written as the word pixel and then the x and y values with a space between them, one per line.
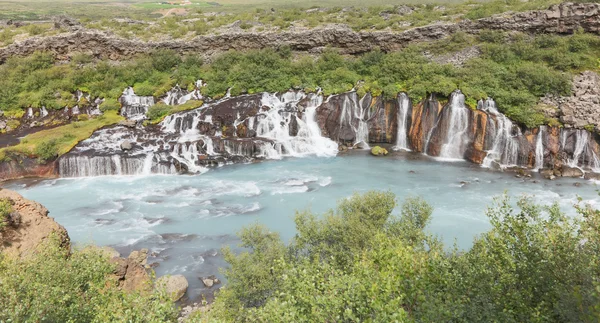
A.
pixel 362 262
pixel 55 285
pixel 5 210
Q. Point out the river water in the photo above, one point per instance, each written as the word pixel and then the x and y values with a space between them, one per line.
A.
pixel 185 220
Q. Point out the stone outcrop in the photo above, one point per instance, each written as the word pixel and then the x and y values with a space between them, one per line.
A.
pixel 131 273
pixel 35 227
pixel 580 109
pixel 563 19
pixel 175 286
pixel 20 166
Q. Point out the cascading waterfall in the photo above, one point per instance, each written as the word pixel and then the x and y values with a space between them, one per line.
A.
pixel 455 145
pixel 539 149
pixel 402 135
pixel 505 147
pixel 583 156
pixel 275 124
pixel 133 106
pixel 179 96
pixel 353 116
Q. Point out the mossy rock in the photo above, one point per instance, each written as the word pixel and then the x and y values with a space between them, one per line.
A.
pixel 378 151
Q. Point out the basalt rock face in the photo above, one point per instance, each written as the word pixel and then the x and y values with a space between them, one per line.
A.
pixel 564 18
pixel 19 167
pixel 33 228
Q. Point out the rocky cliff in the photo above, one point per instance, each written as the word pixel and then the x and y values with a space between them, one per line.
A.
pixel 30 227
pixel 296 124
pixel 563 19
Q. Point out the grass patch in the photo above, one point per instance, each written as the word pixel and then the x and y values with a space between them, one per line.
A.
pixel 51 143
pixel 159 111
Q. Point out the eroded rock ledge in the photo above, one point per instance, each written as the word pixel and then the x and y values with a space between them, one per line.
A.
pixel 564 18
pixel 33 228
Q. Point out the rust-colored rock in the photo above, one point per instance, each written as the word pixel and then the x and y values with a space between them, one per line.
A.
pixel 36 227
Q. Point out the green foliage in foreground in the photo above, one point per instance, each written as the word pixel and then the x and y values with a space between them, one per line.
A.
pixel 361 263
pixel 55 286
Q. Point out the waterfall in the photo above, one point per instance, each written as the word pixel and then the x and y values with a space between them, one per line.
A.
pixel 133 106
pixel 179 96
pixel 402 135
pixel 353 116
pixel 539 150
pixel 90 166
pixel 456 137
pixel 275 123
pixel 583 155
pixel 43 112
pixel 505 147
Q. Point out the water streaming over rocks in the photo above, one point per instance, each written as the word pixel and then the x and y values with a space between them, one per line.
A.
pixel 268 125
pixel 403 122
pixel 504 148
pixel 297 124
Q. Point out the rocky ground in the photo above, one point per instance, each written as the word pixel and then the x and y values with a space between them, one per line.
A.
pixel 562 19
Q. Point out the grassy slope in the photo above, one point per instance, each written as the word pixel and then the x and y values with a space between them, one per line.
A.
pixel 66 137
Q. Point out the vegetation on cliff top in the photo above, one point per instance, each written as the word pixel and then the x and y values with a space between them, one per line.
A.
pixel 514 69
pixel 363 263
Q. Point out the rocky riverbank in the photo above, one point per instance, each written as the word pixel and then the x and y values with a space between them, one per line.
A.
pixel 29 227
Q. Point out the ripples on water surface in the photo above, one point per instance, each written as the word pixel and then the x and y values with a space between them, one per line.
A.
pixel 185 220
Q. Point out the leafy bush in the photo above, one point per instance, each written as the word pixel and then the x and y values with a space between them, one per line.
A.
pixel 47 150
pixel 363 263
pixel 57 286
pixel 5 211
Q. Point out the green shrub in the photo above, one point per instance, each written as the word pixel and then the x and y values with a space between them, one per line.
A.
pixel 5 211
pixel 363 263
pixel 47 150
pixel 55 285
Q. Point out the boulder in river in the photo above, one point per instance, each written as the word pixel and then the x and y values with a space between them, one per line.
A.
pixel 571 172
pixel 378 151
pixel 210 281
pixel 126 145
